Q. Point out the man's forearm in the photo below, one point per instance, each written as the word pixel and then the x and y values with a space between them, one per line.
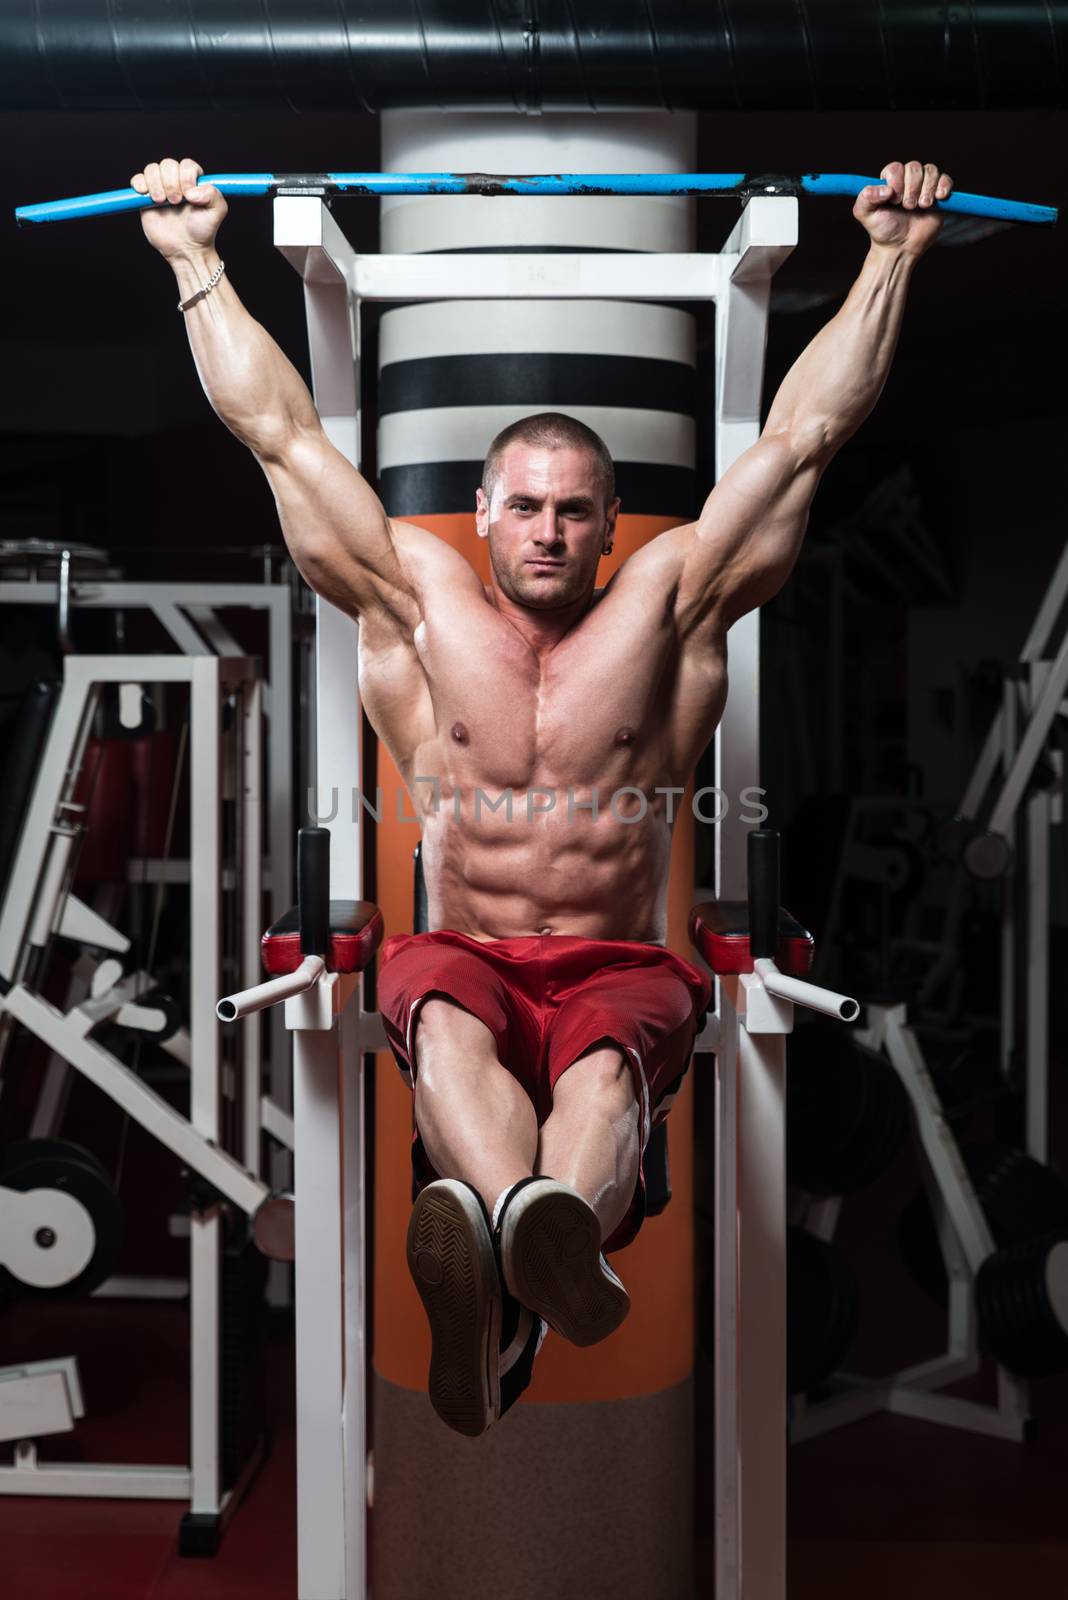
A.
pixel 252 386
pixel 834 384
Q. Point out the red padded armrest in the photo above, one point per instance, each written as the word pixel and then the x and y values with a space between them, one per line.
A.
pixel 719 930
pixel 356 929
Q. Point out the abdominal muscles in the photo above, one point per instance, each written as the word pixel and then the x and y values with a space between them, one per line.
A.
pixel 502 865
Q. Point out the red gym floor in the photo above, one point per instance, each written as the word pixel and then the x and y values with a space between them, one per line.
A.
pixel 887 1508
pixel 132 1360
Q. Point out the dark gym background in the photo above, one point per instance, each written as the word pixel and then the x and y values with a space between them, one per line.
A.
pixel 106 437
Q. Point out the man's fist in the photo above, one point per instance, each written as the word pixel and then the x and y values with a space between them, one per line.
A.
pixel 185 217
pixel 901 211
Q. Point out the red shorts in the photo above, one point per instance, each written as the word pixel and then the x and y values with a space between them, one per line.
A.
pixel 546 1000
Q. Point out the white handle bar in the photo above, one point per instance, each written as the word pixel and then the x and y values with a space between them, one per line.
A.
pixel 801 993
pixel 270 993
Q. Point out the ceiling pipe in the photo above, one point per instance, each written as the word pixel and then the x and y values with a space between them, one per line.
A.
pixel 532 55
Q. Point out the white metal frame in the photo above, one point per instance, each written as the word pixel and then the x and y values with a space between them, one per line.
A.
pixel 965 1240
pixel 189 613
pixel 1017 735
pixel 1032 698
pixel 38 903
pixel 750 1211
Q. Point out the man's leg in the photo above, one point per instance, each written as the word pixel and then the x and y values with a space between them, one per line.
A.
pixel 475 1120
pixel 552 1230
pixel 590 1140
pixel 479 1127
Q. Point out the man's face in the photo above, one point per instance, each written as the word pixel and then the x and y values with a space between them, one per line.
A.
pixel 547 524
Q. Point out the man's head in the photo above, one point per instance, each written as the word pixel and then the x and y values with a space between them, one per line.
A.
pixel 548 507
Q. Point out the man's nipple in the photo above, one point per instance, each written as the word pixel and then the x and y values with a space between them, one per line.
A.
pixel 626 734
pixel 460 733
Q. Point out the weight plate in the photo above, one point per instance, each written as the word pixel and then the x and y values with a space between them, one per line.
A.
pixel 19 1151
pixel 48 1237
pixel 1020 1295
pixel 1020 1198
pixel 67 1240
pixel 1057 1283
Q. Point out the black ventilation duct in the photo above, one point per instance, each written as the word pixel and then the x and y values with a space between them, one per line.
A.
pixel 532 55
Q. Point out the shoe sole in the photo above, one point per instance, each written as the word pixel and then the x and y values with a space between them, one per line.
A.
pixel 551 1248
pixel 451 1260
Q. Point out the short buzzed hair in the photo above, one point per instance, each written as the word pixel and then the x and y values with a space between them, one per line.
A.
pixel 552 430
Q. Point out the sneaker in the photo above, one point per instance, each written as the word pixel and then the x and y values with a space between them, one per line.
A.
pixel 453 1264
pixel 521 1339
pixel 551 1260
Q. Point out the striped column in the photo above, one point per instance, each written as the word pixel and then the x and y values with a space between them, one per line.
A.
pixel 450 381
pixel 585 1489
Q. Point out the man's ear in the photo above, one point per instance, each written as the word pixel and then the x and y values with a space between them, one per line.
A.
pixel 610 515
pixel 481 512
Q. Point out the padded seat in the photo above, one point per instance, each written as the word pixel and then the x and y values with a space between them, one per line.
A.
pixel 356 929
pixel 719 930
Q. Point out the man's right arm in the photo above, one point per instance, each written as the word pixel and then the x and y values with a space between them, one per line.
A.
pixel 334 524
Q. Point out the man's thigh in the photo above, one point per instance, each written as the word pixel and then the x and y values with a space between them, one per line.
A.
pixel 648 1013
pixel 424 967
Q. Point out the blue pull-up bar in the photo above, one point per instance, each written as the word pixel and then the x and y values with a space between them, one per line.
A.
pixel 739 184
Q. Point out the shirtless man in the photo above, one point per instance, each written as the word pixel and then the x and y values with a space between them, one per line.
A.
pixel 545 729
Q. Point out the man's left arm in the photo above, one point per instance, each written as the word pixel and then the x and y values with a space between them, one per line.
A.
pixel 749 533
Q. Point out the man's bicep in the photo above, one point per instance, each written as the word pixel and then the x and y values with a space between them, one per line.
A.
pixel 747 538
pixel 337 530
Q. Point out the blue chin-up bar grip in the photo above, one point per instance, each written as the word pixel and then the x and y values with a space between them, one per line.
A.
pixel 739 184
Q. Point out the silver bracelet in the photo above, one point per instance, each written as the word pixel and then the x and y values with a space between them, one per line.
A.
pixel 183 305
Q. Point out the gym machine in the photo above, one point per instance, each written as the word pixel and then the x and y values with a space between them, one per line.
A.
pixel 990 1233
pixel 60 1216
pixel 755 997
pixel 1021 769
pixel 74 579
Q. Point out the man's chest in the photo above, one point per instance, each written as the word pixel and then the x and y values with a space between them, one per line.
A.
pixel 594 707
